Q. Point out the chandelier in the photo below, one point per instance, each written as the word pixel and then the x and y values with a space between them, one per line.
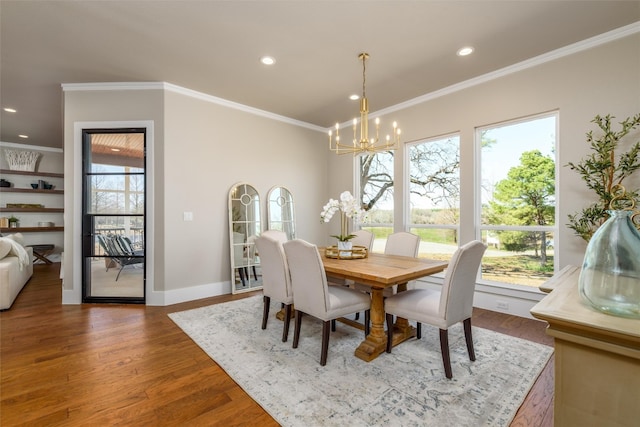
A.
pixel 364 144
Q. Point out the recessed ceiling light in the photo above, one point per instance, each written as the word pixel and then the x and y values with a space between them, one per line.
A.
pixel 24 136
pixel 115 149
pixel 268 60
pixel 464 51
pixel 10 110
pixel 354 97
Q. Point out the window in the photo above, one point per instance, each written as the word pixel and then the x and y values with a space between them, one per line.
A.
pixel 434 194
pixel 516 213
pixel 376 195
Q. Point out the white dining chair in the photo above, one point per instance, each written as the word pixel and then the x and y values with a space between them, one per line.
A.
pixel 363 238
pixel 312 295
pixel 276 280
pixel 442 308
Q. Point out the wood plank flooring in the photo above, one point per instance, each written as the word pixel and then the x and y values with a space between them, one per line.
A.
pixel 105 365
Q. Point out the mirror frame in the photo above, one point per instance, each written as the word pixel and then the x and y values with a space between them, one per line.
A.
pixel 242 233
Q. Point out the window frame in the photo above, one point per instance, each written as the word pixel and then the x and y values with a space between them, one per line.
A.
pixel 477 190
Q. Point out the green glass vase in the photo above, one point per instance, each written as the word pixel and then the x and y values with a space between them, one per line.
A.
pixel 610 276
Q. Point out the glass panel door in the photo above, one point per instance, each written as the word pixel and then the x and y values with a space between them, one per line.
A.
pixel 113 226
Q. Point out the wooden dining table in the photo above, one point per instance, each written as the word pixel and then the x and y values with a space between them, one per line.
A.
pixel 381 271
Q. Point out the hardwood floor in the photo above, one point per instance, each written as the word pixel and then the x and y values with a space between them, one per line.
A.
pixel 130 365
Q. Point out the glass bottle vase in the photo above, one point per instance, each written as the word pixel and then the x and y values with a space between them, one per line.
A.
pixel 610 276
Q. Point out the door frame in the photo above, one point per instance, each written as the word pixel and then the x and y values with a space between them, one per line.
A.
pixel 72 284
pixel 88 225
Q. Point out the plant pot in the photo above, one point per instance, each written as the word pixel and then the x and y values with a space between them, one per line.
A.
pixel 345 248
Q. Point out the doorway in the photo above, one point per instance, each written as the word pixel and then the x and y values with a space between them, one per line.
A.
pixel 114 215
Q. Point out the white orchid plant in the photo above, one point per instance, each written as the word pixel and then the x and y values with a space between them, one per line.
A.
pixel 349 209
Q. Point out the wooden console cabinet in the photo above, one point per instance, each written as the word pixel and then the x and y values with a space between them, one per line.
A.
pixel 597 358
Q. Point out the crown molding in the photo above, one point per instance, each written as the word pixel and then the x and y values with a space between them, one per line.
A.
pixel 112 86
pixel 571 49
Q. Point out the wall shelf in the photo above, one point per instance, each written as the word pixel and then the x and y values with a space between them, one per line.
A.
pixel 26 210
pixel 29 190
pixel 47 174
pixel 29 229
pixel 31 195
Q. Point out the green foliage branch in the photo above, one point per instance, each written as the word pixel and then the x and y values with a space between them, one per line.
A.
pixel 602 170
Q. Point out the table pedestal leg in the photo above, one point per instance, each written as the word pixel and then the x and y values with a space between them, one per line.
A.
pixel 376 341
pixel 280 313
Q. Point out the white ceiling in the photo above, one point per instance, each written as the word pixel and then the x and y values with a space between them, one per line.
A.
pixel 214 46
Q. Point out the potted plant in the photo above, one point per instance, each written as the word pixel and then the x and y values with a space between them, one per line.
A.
pixel 348 208
pixel 604 171
pixel 13 222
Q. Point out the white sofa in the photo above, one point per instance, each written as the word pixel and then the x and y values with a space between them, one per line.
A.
pixel 16 268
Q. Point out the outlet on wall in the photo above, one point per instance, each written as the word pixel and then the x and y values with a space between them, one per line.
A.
pixel 502 305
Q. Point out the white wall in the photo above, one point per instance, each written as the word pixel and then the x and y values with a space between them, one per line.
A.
pixel 200 150
pixel 601 80
pixel 208 149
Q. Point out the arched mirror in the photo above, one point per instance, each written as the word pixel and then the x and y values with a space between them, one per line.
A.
pixel 244 228
pixel 281 212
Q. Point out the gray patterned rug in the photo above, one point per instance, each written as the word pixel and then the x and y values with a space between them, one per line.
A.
pixel 404 388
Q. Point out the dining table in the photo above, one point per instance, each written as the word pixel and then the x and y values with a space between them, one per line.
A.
pixel 380 271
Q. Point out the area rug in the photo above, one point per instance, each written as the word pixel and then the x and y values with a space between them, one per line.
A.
pixel 404 388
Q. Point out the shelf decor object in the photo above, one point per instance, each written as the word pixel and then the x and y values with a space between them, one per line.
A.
pixel 21 160
pixel 610 277
pixel 356 252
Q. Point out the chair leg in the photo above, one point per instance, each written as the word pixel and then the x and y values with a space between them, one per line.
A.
pixel 367 322
pixel 419 330
pixel 241 274
pixel 469 338
pixel 118 276
pixel 389 331
pixel 296 330
pixel 444 348
pixel 255 275
pixel 357 316
pixel 265 310
pixel 325 342
pixel 333 325
pixel 287 320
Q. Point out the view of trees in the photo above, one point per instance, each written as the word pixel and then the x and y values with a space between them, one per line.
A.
pixel 517 186
pixel 525 197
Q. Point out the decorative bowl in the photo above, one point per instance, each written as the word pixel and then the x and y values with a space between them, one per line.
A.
pixel 34 186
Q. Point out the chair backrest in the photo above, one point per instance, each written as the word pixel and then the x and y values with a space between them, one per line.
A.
pixel 456 299
pixel 125 244
pixel 363 238
pixel 102 240
pixel 308 278
pixel 276 280
pixel 403 244
pixel 278 235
